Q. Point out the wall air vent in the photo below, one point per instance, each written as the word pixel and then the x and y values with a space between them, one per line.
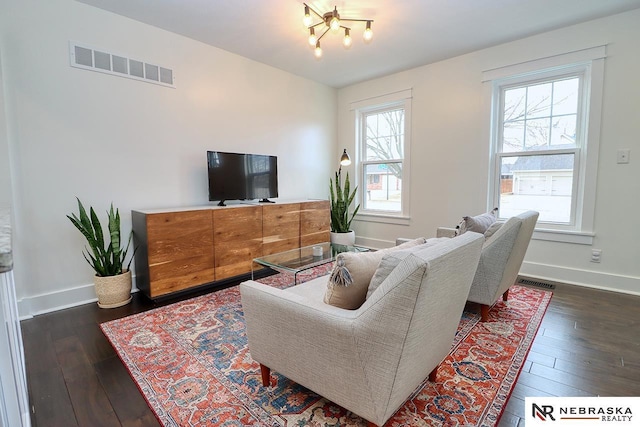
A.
pixel 89 58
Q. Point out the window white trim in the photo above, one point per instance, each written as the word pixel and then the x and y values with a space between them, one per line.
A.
pixel 591 63
pixel 401 99
pixel 382 218
pixel 376 102
pixel 548 63
pixel 565 236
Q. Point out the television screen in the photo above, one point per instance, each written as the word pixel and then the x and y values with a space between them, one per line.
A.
pixel 237 176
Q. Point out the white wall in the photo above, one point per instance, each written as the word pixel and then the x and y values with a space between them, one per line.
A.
pixel 103 138
pixel 450 149
pixel 5 174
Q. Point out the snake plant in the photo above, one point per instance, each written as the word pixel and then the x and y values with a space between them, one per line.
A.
pixel 105 260
pixel 341 199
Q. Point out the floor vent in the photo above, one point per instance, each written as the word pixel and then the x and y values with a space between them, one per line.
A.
pixel 89 58
pixel 536 283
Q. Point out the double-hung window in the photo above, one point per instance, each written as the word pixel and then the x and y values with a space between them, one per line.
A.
pixel 544 154
pixel 540 142
pixel 383 142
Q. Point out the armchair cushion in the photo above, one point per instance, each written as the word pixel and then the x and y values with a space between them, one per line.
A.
pixel 348 289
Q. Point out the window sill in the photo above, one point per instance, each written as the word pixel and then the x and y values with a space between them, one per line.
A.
pixel 383 218
pixel 564 236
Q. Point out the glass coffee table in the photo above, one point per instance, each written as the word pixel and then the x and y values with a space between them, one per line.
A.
pixel 295 261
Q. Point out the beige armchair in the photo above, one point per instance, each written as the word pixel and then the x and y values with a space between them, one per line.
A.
pixel 500 262
pixel 501 259
pixel 368 360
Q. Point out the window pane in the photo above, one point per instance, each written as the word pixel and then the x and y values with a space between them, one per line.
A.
pixel 514 103
pixel 565 96
pixel 384 135
pixel 384 187
pixel 563 131
pixel 513 136
pixel 537 134
pixel 540 183
pixel 539 100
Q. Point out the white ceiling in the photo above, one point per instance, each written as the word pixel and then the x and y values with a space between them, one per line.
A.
pixel 407 33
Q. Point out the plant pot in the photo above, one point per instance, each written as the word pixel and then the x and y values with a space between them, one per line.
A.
pixel 113 291
pixel 347 239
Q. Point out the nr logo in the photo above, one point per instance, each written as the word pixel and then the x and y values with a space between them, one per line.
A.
pixel 543 412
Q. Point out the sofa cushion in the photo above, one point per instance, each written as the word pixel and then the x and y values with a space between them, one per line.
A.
pixel 349 280
pixel 391 260
pixel 479 223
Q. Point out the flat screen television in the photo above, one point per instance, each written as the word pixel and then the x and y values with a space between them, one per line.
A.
pixel 238 176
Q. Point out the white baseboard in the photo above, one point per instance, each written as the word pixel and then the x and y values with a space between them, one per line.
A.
pixel 84 294
pixel 59 300
pixel 591 279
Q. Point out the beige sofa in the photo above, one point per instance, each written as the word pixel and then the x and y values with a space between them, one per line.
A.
pixel 368 360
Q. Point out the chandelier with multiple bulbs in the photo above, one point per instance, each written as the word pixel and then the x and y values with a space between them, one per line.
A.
pixel 332 21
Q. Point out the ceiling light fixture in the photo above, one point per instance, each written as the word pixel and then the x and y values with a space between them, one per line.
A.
pixel 332 21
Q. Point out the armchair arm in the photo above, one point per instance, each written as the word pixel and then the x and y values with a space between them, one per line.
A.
pixel 446 232
pixel 284 328
pixel 401 240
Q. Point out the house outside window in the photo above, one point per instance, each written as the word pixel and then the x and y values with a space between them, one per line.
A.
pixel 383 141
pixel 545 138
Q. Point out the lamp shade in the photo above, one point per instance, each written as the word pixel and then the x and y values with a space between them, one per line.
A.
pixel 345 160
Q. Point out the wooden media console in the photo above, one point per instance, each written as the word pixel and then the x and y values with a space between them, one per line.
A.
pixel 181 249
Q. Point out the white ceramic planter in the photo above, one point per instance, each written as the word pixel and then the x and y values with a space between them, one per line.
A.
pixel 347 239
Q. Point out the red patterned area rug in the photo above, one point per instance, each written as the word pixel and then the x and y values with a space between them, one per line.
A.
pixel 191 362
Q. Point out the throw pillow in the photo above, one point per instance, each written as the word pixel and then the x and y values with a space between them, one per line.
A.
pixel 479 223
pixel 492 229
pixel 392 259
pixel 349 280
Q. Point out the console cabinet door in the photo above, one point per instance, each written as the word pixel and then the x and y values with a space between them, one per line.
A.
pixel 237 240
pixel 180 250
pixel 315 222
pixel 280 227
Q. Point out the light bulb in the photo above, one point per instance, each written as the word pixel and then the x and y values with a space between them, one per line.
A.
pixel 312 37
pixel 318 50
pixel 334 24
pixel 307 16
pixel 368 34
pixel 346 41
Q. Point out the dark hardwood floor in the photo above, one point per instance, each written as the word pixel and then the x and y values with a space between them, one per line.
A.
pixel 588 344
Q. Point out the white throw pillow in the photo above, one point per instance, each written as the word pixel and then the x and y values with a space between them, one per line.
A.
pixel 492 229
pixel 479 223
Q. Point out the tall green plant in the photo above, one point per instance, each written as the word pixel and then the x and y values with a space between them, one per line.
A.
pixel 341 199
pixel 109 260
